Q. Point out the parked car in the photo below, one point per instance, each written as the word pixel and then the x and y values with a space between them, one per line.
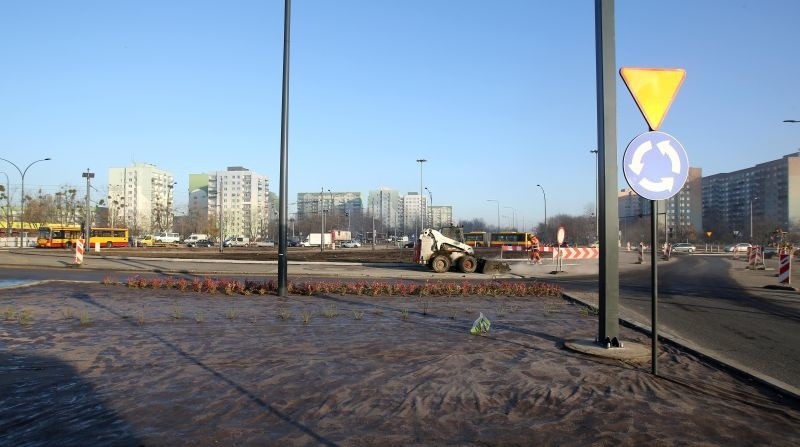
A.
pixel 351 244
pixel 683 247
pixel 265 243
pixel 741 247
pixel 200 243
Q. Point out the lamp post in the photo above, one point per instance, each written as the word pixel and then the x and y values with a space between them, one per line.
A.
pixel 596 199
pixel 421 216
pixel 430 205
pixel 322 222
pixel 791 121
pixel 498 211
pixel 22 199
pixel 545 208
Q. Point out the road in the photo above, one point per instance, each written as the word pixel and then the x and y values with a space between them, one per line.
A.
pixel 710 303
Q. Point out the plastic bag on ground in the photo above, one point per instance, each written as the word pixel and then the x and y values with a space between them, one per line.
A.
pixel 480 326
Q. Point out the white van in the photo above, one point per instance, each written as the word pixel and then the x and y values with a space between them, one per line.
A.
pixel 236 241
pixel 194 237
pixel 168 238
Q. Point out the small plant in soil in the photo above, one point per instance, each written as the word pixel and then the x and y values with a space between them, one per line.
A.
pixel 330 311
pixel 140 317
pixel 358 314
pixel 85 318
pixel 231 314
pixel 404 314
pixel 284 314
pixel 176 312
pixel 306 316
pixel 25 317
pixel 199 317
pixel 9 314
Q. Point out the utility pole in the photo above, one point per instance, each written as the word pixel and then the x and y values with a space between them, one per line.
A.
pixel 88 226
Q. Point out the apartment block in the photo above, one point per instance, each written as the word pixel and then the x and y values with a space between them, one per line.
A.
pixel 141 197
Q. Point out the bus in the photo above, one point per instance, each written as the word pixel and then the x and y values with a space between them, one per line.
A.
pixel 511 238
pixel 477 238
pixel 58 236
pixel 65 236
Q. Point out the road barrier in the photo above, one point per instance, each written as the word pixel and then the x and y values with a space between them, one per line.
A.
pixel 785 268
pixel 79 251
pixel 755 258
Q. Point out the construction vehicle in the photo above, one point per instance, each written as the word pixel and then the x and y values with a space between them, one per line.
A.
pixel 440 253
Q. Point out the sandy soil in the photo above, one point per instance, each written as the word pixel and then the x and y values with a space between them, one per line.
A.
pixel 90 364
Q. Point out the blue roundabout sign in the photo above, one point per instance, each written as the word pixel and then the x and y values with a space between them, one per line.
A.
pixel 655 165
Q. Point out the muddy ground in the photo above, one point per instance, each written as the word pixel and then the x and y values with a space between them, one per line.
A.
pixel 92 364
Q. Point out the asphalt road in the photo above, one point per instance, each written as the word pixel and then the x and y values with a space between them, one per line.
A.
pixel 710 303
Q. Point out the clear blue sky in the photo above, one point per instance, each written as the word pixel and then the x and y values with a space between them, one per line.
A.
pixel 498 96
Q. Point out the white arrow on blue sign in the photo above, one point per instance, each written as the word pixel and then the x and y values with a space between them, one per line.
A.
pixel 655 165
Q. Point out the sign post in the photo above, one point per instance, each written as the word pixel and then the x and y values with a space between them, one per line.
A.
pixel 655 164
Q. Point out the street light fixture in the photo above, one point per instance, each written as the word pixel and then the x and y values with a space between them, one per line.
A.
pixel 498 211
pixel 545 208
pixel 791 121
pixel 421 221
pixel 22 199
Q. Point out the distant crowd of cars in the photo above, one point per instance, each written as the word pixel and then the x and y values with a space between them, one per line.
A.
pixel 741 247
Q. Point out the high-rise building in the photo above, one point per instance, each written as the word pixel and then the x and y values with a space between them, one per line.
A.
pixel 440 216
pixel 414 207
pixel 685 209
pixel 237 198
pixel 753 201
pixel 385 206
pixel 141 197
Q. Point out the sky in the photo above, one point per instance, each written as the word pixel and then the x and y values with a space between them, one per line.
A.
pixel 498 96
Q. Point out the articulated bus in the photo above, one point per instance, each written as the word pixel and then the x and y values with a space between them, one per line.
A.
pixel 511 238
pixel 65 236
pixel 477 238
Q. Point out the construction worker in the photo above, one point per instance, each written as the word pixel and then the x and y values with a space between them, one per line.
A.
pixel 535 259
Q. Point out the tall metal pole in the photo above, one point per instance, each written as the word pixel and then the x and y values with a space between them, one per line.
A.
pixel 654 286
pixel 421 221
pixel 545 208
pixel 88 226
pixel 606 72
pixel 283 194
pixel 22 199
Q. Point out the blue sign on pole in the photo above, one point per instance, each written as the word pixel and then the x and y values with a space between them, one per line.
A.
pixel 655 165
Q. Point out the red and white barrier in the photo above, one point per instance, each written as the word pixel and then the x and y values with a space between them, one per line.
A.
pixel 785 268
pixel 79 251
pixel 513 248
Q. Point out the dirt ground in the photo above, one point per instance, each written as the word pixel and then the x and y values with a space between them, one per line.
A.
pixel 362 254
pixel 93 364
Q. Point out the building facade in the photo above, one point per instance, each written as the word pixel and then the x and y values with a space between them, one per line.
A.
pixel 752 203
pixel 684 210
pixel 141 197
pixel 234 202
pixel 440 216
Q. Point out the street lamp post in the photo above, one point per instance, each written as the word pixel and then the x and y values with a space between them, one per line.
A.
pixel 22 199
pixel 791 121
pixel 545 208
pixel 421 216
pixel 498 211
pixel 596 199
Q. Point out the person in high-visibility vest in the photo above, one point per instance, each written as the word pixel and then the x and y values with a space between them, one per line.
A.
pixel 535 259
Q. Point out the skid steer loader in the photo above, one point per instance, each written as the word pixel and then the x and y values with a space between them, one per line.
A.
pixel 441 253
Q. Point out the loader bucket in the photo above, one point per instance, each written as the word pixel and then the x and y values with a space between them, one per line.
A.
pixel 490 266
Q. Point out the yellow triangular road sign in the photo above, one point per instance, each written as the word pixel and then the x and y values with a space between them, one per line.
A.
pixel 653 89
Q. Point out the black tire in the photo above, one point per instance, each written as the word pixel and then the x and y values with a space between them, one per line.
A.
pixel 109 244
pixel 467 264
pixel 68 245
pixel 440 263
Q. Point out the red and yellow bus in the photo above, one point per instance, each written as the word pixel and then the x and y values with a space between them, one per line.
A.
pixel 65 236
pixel 511 238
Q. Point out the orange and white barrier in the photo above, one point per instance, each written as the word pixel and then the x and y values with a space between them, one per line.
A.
pixel 513 248
pixel 785 268
pixel 79 251
pixel 573 253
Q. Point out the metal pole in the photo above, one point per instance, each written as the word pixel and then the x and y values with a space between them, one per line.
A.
pixel 283 194
pixel 219 199
pixel 88 226
pixel 654 286
pixel 430 205
pixel 22 199
pixel 322 222
pixel 606 73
